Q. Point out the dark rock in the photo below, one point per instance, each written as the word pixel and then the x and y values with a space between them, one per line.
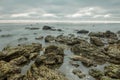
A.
pixel 0 30
pixel 47 28
pixel 78 73
pixel 32 28
pixel 49 38
pixel 118 32
pixel 96 41
pixel 107 34
pixel 82 32
pixel 59 30
pixel 98 34
pixel 6 35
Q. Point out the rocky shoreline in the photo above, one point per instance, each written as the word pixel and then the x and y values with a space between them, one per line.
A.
pixel 98 48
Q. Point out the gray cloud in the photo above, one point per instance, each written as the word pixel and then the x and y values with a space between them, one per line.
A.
pixel 59 9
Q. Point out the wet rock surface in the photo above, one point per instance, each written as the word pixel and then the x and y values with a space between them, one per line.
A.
pixel 94 56
pixel 12 59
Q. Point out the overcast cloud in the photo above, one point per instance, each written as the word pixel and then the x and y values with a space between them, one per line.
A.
pixel 60 9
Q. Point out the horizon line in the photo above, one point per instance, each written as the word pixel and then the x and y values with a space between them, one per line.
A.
pixel 56 21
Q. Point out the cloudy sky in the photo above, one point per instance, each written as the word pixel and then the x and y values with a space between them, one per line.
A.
pixel 60 10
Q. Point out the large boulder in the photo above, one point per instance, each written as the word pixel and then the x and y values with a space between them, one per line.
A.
pixel 113 51
pixel 83 47
pixel 96 41
pixel 10 53
pixel 53 57
pixel 47 28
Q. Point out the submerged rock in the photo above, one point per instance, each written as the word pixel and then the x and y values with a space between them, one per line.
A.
pixel 78 73
pixel 6 35
pixel 96 41
pixel 32 28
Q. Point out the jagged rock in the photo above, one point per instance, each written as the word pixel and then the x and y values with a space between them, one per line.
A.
pixel 10 53
pixel 82 32
pixel 96 73
pixel 107 34
pixel 84 47
pixel 84 60
pixel 113 51
pixel 98 34
pixel 113 71
pixel 96 41
pixel 55 50
pixel 43 73
pixel 15 77
pixel 19 61
pixel 49 38
pixel 7 69
pixel 78 73
pixel 33 55
pixel 53 56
